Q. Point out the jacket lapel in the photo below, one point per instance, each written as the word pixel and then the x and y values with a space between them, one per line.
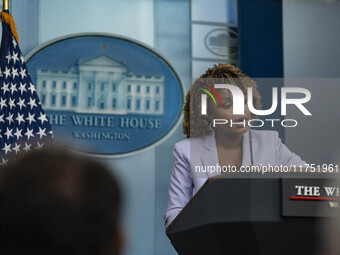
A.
pixel 210 156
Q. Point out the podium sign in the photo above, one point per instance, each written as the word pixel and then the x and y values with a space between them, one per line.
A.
pixel 310 197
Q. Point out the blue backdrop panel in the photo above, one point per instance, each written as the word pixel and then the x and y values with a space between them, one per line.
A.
pixel 261 45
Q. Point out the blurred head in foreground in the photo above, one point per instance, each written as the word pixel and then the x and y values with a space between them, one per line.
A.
pixel 53 202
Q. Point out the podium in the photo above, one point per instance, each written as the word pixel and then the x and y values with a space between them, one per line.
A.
pixel 253 216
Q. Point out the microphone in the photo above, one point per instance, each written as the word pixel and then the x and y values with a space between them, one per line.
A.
pixel 251 148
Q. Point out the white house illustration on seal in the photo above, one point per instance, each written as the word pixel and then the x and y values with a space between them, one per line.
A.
pixel 100 85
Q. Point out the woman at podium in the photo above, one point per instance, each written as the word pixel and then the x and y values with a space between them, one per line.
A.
pixel 218 139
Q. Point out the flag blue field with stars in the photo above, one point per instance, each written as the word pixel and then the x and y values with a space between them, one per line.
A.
pixel 23 123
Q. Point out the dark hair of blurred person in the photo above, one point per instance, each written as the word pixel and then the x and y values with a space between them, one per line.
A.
pixel 53 202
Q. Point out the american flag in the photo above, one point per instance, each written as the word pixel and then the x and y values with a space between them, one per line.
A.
pixel 23 123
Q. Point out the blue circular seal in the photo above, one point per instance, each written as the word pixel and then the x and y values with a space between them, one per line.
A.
pixel 105 94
